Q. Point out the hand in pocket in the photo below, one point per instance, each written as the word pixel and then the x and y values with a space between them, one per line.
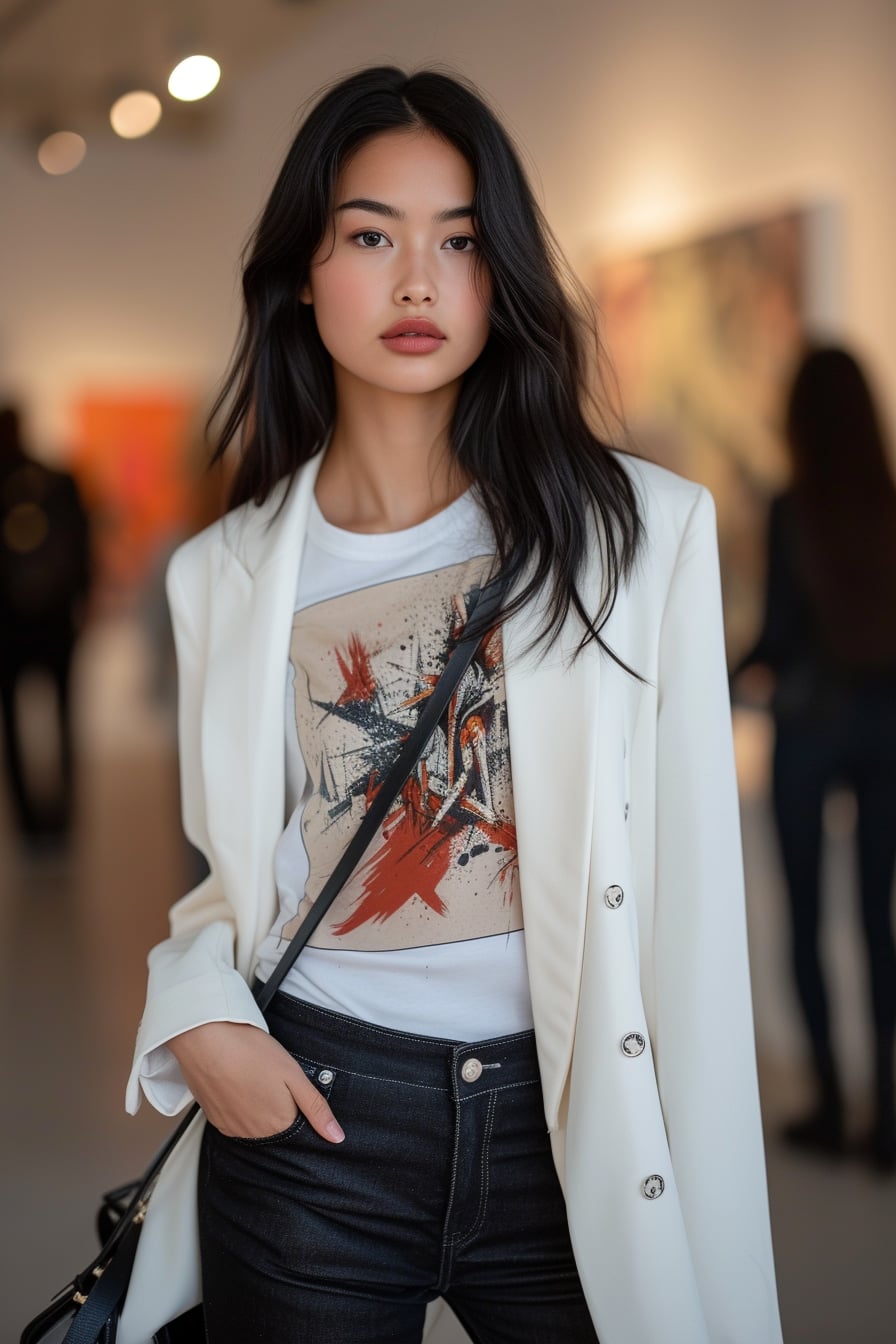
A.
pixel 246 1083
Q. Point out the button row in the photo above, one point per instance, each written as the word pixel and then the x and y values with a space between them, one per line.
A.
pixel 634 1044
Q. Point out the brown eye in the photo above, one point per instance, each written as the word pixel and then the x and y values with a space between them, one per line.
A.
pixel 369 238
pixel 461 243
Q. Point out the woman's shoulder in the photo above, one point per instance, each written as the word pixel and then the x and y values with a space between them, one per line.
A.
pixel 669 504
pixel 658 486
pixel 239 534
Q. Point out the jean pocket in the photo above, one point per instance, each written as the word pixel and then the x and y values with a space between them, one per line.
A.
pixel 323 1078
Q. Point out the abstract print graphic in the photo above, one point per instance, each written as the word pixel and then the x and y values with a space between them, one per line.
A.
pixel 444 865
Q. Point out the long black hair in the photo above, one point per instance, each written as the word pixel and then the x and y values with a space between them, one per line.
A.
pixel 846 506
pixel 521 426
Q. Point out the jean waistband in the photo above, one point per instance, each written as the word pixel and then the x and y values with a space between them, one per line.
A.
pixel 463 1068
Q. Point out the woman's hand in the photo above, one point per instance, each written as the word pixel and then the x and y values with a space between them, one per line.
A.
pixel 248 1086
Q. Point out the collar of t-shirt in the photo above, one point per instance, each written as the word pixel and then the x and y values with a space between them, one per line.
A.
pixel 455 533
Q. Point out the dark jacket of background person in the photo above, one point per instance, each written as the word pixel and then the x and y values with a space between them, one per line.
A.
pixel 44 581
pixel 829 635
pixel 821 649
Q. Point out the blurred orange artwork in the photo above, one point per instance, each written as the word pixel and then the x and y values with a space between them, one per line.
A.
pixel 130 455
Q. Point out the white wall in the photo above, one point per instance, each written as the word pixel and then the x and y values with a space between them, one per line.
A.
pixel 645 121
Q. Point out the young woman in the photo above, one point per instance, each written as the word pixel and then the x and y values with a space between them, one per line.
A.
pixel 514 1068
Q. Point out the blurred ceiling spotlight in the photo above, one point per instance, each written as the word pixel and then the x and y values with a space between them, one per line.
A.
pixel 135 114
pixel 61 152
pixel 194 78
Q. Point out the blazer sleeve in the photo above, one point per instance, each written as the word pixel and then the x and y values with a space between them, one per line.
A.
pixel 192 974
pixel 704 1041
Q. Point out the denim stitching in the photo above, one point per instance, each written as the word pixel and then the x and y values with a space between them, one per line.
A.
pixel 376 1077
pixel 300 1121
pixel 497 1040
pixel 409 1036
pixel 502 1087
pixel 428 1087
pixel 447 1239
pixel 461 1239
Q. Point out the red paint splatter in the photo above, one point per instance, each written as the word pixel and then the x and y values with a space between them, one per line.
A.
pixel 411 861
pixel 413 858
pixel 356 672
pixel 492 650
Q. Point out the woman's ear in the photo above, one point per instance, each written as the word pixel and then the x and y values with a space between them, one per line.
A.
pixel 305 293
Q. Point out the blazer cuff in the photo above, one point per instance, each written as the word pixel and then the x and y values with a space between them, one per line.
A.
pixel 162 1083
pixel 217 996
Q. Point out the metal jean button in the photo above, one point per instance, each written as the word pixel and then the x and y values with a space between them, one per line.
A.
pixel 471 1070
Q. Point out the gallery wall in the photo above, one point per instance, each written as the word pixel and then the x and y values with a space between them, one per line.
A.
pixel 645 123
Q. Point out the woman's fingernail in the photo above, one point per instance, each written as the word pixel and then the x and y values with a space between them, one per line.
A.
pixel 335 1131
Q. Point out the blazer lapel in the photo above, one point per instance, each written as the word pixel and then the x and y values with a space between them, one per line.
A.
pixel 553 710
pixel 243 711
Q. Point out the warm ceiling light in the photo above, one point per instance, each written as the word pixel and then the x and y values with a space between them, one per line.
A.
pixel 61 152
pixel 194 78
pixel 135 114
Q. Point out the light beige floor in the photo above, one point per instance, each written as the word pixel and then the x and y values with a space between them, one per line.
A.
pixel 74 930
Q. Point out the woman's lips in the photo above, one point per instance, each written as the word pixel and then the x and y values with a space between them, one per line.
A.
pixel 414 336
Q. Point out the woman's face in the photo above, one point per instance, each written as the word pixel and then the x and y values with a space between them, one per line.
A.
pixel 401 248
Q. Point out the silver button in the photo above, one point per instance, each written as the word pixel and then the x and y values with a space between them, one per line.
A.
pixel 613 897
pixel 471 1070
pixel 652 1187
pixel 326 1077
pixel 633 1044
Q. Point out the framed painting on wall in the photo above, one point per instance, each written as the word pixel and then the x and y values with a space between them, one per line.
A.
pixel 703 336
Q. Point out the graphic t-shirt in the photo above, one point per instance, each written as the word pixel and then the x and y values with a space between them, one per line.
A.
pixel 427 934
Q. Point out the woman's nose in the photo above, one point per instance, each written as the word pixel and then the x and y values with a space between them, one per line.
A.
pixel 415 285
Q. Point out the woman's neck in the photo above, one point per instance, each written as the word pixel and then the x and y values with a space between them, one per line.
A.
pixel 389 463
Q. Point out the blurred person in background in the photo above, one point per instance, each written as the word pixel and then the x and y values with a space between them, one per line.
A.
pixel 829 636
pixel 44 582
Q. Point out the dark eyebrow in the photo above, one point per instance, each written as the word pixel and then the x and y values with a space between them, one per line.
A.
pixel 379 208
pixel 459 212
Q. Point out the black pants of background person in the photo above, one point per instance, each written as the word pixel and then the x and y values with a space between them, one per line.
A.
pixel 854 744
pixel 38 816
pixel 443 1187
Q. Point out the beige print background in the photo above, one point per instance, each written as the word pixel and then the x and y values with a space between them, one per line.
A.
pixel 444 866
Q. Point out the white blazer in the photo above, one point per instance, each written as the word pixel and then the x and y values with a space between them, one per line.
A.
pixel 633 902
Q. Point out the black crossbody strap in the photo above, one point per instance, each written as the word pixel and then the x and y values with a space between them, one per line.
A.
pixel 486 607
pixel 105 1297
